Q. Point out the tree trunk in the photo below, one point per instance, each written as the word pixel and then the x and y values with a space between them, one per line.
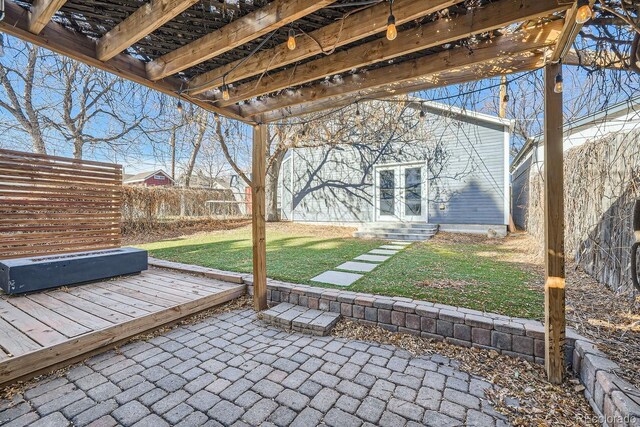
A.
pixel 194 155
pixel 271 187
pixel 173 154
pixel 38 142
pixel 77 149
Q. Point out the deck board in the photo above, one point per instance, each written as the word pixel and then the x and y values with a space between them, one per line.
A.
pixel 30 326
pixel 65 326
pixel 15 342
pixel 82 317
pixel 43 330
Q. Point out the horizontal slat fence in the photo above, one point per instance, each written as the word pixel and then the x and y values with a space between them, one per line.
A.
pixel 52 205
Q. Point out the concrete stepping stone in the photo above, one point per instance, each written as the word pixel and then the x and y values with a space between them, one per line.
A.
pixel 400 243
pixel 372 258
pixel 337 278
pixel 393 247
pixel 382 252
pixel 301 319
pixel 357 266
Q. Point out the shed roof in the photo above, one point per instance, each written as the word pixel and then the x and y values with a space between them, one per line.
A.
pixel 143 176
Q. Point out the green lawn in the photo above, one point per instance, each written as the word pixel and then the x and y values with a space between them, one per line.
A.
pixel 472 275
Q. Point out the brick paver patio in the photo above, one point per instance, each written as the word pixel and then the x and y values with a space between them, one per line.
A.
pixel 233 369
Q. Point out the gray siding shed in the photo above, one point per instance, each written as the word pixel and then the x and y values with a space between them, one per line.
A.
pixel 465 156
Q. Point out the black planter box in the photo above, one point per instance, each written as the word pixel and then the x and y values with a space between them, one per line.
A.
pixel 22 275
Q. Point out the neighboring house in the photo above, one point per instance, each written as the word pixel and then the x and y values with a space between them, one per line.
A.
pixel 149 179
pixel 621 117
pixel 451 169
pixel 200 180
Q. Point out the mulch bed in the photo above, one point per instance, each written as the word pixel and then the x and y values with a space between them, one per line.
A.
pixel 523 393
pixel 182 227
pixel 609 319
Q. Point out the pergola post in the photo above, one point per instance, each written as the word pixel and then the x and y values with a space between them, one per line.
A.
pixel 554 292
pixel 258 217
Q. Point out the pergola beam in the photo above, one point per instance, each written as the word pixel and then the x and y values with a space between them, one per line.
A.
pixel 500 66
pixel 41 13
pixel 256 24
pixel 491 17
pixel 569 33
pixel 348 30
pixel 139 24
pixel 65 42
pixel 426 66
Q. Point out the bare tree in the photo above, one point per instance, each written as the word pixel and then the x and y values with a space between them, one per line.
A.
pixel 231 136
pixel 21 105
pixel 200 121
pixel 57 101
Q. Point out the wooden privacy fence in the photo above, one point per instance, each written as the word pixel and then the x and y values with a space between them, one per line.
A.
pixel 53 205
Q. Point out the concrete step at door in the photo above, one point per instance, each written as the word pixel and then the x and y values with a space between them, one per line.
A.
pixel 408 227
pixel 413 237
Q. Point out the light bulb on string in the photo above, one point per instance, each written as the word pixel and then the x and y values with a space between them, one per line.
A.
pixel 584 12
pixel 358 116
pixel 179 106
pixel 291 41
pixel 225 91
pixel 422 116
pixel 558 86
pixel 392 31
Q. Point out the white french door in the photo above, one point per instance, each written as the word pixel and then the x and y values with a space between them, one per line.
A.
pixel 401 192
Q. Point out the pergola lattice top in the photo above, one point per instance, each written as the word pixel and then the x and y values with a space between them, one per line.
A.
pixel 194 48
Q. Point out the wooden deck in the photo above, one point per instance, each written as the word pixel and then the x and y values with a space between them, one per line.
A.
pixel 46 329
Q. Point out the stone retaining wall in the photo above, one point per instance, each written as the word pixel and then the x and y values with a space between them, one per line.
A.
pixel 515 337
pixel 615 401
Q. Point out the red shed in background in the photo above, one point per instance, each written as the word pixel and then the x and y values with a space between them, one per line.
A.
pixel 149 179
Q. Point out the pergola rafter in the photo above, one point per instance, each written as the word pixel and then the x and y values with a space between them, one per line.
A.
pixel 186 48
pixel 267 19
pixel 425 68
pixel 352 28
pixel 142 22
pixel 492 17
pixel 517 63
pixel 42 12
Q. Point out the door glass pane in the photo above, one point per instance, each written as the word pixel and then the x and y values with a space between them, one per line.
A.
pixel 413 191
pixel 387 192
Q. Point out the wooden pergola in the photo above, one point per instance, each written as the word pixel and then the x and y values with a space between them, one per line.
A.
pixel 261 61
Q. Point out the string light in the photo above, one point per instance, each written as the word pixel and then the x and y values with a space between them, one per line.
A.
pixel 397 101
pixel 422 116
pixel 392 31
pixel 225 91
pixel 358 118
pixel 557 88
pixel 291 41
pixel 584 12
pixel 179 106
